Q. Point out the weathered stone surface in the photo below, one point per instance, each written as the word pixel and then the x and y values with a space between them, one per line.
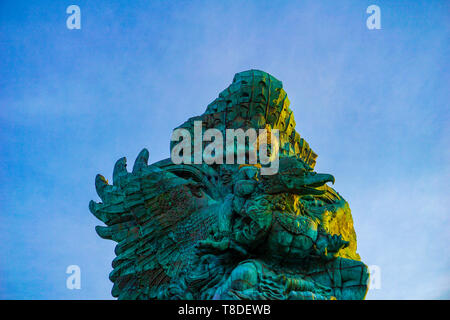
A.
pixel 225 231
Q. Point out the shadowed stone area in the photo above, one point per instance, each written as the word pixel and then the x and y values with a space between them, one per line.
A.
pixel 225 231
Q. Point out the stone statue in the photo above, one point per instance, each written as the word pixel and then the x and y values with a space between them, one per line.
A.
pixel 226 231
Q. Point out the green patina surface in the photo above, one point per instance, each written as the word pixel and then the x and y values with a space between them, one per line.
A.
pixel 225 231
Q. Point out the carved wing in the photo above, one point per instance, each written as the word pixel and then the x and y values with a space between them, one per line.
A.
pixel 156 214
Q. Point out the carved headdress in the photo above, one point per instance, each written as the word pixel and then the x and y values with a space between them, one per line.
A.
pixel 256 100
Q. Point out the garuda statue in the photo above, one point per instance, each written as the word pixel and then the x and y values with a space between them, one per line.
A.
pixel 225 231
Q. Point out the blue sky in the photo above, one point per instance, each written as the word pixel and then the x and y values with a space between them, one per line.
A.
pixel 372 103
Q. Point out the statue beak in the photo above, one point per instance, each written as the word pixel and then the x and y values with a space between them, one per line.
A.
pixel 302 184
pixel 314 180
pixel 310 182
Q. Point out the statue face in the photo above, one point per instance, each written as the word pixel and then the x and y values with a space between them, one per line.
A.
pixel 259 208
